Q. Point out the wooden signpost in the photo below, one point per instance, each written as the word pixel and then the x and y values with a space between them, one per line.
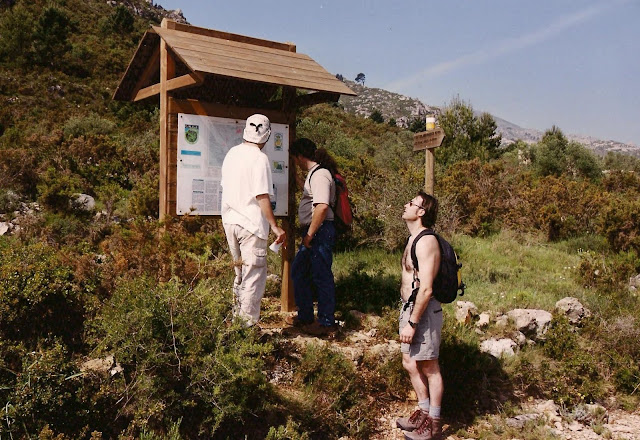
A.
pixel 428 140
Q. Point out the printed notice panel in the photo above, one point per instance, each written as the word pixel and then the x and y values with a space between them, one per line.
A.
pixel 203 141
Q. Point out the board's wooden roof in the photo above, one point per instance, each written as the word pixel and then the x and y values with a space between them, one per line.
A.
pixel 209 52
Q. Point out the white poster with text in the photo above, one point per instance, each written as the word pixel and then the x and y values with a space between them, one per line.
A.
pixel 203 142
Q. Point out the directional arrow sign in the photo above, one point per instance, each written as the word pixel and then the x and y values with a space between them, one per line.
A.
pixel 428 139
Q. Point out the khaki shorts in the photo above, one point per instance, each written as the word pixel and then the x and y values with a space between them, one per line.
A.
pixel 425 345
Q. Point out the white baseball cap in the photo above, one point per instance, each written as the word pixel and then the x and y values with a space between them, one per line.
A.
pixel 257 130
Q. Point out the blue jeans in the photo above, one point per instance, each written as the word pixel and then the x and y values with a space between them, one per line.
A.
pixel 312 267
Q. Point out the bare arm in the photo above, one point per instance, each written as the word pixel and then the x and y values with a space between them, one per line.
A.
pixel 319 214
pixel 265 207
pixel 428 254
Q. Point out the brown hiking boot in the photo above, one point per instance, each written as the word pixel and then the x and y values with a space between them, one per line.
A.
pixel 413 421
pixel 295 321
pixel 430 429
pixel 315 329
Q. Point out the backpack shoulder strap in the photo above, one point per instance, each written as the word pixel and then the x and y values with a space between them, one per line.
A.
pixel 319 167
pixel 414 258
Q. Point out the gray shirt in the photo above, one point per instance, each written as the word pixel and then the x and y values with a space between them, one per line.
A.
pixel 320 189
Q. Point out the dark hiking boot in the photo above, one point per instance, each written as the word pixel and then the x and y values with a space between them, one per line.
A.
pixel 430 429
pixel 412 422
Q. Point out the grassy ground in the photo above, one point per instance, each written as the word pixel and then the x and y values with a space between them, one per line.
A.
pixel 505 271
pixel 501 272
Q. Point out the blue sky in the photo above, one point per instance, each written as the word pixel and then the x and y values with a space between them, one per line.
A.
pixel 575 64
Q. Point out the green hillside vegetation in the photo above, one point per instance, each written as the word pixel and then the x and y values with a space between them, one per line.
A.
pixel 532 224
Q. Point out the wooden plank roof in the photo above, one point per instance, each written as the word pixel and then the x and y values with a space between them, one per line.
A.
pixel 209 52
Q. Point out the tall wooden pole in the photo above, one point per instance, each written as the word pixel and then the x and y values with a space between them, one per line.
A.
pixel 429 171
pixel 167 71
pixel 287 299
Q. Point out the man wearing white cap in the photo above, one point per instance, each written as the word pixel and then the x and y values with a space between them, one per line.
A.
pixel 247 215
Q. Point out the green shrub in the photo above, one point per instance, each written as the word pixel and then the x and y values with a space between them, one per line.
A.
pixel 120 21
pixel 336 392
pixel 609 274
pixel 627 376
pixel 144 199
pixel 92 125
pixel 388 325
pixel 392 378
pixel 16 35
pixel 620 221
pixel 569 381
pixel 291 431
pixel 58 188
pixel 9 201
pixel 39 295
pixel 614 161
pixel 51 37
pixel 43 394
pixel 187 249
pixel 560 339
pixel 181 358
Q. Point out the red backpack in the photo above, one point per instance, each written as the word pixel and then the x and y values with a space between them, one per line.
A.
pixel 343 215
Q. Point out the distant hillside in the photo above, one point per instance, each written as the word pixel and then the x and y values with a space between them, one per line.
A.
pixel 392 105
pixel 512 132
pixel 404 109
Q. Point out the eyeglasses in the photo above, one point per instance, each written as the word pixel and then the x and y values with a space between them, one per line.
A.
pixel 416 205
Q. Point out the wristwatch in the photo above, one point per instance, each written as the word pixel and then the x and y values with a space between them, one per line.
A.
pixel 413 324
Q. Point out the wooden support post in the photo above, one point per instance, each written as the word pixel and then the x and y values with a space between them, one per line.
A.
pixel 167 72
pixel 287 299
pixel 429 171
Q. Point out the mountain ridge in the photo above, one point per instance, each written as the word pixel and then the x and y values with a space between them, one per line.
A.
pixel 404 109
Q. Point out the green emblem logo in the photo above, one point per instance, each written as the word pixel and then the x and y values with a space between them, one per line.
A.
pixel 191 133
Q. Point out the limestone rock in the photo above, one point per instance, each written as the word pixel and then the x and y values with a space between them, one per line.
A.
pixel 358 338
pixel 483 320
pixel 499 347
pixel 106 366
pixel 83 202
pixel 519 421
pixel 502 321
pixel 387 351
pixel 466 311
pixel 549 409
pixel 533 323
pixel 353 353
pixel 573 309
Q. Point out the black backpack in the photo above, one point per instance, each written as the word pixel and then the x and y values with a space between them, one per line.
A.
pixel 448 280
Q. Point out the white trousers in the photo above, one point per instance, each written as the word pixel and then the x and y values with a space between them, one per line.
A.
pixel 249 254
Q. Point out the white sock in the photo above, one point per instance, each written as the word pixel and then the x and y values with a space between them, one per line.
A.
pixel 434 412
pixel 424 404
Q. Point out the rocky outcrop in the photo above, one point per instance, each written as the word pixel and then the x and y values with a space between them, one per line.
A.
pixel 83 202
pixel 466 312
pixel 531 322
pixel 499 347
pixel 106 366
pixel 151 11
pixel 573 309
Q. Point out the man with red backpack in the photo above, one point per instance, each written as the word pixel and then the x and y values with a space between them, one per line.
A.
pixel 311 268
